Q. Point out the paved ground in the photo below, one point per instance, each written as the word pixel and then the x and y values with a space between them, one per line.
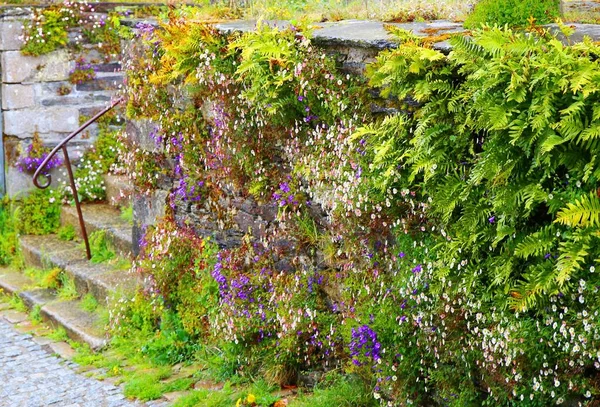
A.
pixel 32 377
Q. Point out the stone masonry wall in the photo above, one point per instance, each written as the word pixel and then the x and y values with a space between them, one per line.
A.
pixel 34 100
pixel 354 44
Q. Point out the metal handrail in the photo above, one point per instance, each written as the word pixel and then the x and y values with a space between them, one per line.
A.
pixel 63 146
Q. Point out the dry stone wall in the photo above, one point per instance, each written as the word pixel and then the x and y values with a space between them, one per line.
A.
pixel 37 97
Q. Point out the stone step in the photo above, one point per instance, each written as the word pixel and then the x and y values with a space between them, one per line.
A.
pixel 102 217
pixel 103 281
pixel 119 190
pixel 80 325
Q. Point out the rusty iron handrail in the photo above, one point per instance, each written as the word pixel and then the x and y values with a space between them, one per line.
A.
pixel 63 146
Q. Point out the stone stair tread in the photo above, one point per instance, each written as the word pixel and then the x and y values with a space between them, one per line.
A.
pixel 101 216
pixel 12 281
pixel 101 280
pixel 80 325
pixel 37 296
pixel 45 250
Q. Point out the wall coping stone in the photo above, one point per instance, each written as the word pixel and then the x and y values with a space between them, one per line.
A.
pixel 372 34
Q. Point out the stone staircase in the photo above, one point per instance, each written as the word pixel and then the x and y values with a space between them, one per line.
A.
pixel 104 281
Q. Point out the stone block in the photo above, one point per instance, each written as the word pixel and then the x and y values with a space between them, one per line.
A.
pixel 101 83
pixel 17 67
pixel 146 210
pixel 55 67
pixel 17 96
pixel 23 123
pixel 10 35
pixel 143 133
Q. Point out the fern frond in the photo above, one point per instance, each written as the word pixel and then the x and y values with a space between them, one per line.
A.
pixel 584 212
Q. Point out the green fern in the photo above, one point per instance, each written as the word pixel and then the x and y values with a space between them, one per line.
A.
pixel 584 212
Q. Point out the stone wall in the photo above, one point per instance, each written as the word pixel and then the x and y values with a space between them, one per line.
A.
pixel 354 44
pixel 38 97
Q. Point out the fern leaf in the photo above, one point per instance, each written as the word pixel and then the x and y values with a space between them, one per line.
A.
pixel 584 212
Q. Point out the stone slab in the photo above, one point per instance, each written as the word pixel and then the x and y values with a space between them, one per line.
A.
pixel 50 251
pixel 62 349
pixel 17 68
pixel 13 316
pixel 10 35
pixel 12 281
pixel 80 325
pixel 17 96
pixel 23 123
pixel 102 217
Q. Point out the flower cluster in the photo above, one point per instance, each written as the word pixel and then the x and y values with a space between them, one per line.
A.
pixel 33 158
pixel 363 343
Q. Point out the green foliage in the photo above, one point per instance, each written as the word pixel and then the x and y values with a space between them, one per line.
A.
pixel 584 212
pixel 338 390
pixel 9 243
pixel 101 248
pixel 17 303
pixel 59 335
pixel 519 132
pixel 127 213
pixel 513 12
pixel 67 233
pixel 38 213
pixel 146 385
pixel 67 290
pixel 35 314
pixel 89 303
pixel 48 30
pixel 421 252
pixel 108 34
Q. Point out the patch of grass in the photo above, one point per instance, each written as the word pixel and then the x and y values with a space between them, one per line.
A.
pixel 339 391
pixel 67 290
pixel 44 278
pixel 59 335
pixel 17 303
pixel 84 355
pixel 67 233
pixel 89 303
pixel 127 214
pixel 36 315
pixel 100 247
pixel 146 385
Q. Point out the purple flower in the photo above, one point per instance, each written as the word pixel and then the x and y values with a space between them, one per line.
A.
pixel 492 219
pixel 417 269
pixel 364 343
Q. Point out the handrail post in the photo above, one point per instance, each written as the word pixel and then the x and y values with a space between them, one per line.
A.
pixel 77 204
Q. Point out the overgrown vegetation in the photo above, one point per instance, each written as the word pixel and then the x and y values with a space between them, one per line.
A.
pixel 455 260
pixel 513 12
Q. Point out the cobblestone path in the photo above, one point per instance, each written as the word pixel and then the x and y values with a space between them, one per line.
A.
pixel 32 377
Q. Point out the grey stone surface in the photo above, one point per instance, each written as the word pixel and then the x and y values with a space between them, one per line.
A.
pixel 140 133
pixel 10 35
pixel 17 67
pixel 33 377
pixel 55 67
pixel 23 123
pixel 146 210
pixel 17 96
pixel 356 33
